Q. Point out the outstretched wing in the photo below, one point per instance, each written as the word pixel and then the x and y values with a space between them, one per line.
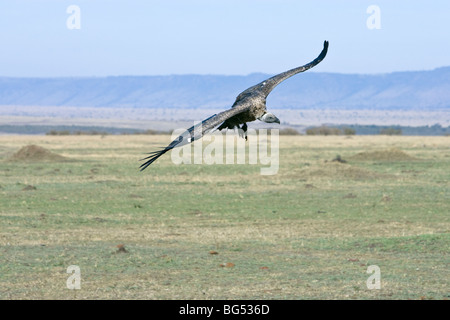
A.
pixel 196 132
pixel 266 86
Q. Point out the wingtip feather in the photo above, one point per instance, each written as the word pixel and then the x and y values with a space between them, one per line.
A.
pixel 152 158
pixel 325 50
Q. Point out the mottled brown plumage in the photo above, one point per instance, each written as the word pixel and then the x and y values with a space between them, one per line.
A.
pixel 250 105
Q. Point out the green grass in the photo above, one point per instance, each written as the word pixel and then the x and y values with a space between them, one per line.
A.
pixel 308 232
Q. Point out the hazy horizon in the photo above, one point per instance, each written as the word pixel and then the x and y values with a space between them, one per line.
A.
pixel 219 74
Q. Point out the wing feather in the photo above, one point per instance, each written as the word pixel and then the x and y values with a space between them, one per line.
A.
pixel 195 132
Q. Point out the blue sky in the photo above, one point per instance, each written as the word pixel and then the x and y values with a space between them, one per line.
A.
pixel 219 37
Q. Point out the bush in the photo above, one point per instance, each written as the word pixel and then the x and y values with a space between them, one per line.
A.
pixel 58 133
pixel 391 132
pixel 349 131
pixel 323 131
pixel 288 132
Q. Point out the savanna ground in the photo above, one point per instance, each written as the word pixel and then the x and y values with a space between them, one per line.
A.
pixel 224 231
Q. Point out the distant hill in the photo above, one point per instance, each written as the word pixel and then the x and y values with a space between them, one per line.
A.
pixel 416 90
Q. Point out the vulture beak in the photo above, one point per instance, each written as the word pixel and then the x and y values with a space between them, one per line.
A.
pixel 269 118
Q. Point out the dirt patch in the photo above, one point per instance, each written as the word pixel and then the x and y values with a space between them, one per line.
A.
pixel 29 188
pixel 392 154
pixel 337 170
pixel 36 153
pixel 338 158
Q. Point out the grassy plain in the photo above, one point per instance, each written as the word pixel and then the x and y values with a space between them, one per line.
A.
pixel 224 231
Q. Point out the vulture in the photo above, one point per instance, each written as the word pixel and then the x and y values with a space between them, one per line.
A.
pixel 250 105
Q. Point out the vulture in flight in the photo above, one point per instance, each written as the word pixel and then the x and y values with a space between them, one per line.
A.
pixel 250 105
